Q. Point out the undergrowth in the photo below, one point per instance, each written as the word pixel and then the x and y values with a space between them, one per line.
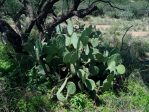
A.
pixel 39 95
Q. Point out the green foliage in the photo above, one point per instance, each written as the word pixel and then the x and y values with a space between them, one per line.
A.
pixel 132 9
pixel 136 98
pixel 5 62
pixel 66 57
pixel 80 102
pixel 68 63
pixel 12 6
pixel 83 57
pixel 33 104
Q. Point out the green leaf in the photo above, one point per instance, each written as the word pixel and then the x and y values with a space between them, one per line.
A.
pixel 87 50
pixel 80 85
pixel 40 70
pixel 106 85
pixel 74 40
pixel 63 86
pixel 115 57
pixel 71 88
pixel 65 5
pixel 112 67
pixel 95 50
pixel 61 97
pixel 95 42
pixel 66 58
pixel 80 46
pixel 110 78
pixel 106 53
pixel 67 41
pixel 29 47
pixel 108 82
pixel 81 74
pixel 120 69
pixel 86 70
pixel 60 42
pixel 58 29
pixel 72 69
pixel 85 35
pixel 38 45
pixel 94 70
pixel 38 49
pixel 99 57
pixel 50 51
pixel 70 27
pixel 70 57
pixel 73 57
pixel 90 84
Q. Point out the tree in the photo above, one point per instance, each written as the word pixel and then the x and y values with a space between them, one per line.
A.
pixel 34 13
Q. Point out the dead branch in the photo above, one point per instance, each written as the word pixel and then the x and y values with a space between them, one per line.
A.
pixel 124 36
pixel 109 3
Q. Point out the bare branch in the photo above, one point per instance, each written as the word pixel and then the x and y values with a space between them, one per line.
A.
pixel 28 30
pixel 39 20
pixel 125 35
pixel 79 13
pixel 16 19
pixel 107 2
pixel 83 12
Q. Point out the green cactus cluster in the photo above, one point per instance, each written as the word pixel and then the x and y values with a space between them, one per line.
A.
pixel 74 60
pixel 83 56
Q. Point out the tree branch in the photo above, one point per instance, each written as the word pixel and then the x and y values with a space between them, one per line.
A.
pixel 13 38
pixel 79 13
pixel 16 19
pixel 42 2
pixel 29 9
pixel 39 20
pixel 124 37
pixel 109 3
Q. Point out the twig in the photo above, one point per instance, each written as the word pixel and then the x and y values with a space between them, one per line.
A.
pixel 124 36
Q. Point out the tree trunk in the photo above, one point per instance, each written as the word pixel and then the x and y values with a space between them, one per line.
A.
pixel 13 38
